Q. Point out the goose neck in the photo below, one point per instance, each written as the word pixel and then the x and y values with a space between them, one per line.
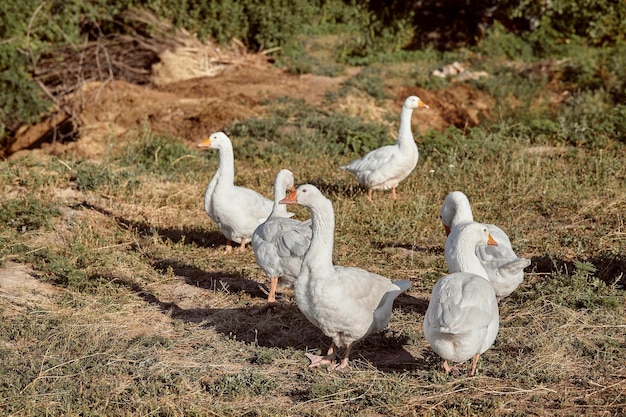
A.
pixel 405 135
pixel 226 169
pixel 320 252
pixel 463 256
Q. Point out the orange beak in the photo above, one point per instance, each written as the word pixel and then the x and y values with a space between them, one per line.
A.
pixel 205 143
pixel 447 229
pixel 422 104
pixel 290 198
pixel 491 242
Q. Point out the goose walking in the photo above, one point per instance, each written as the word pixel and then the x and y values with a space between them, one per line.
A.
pixel 280 243
pixel 346 303
pixel 504 268
pixel 236 210
pixel 385 167
pixel 462 318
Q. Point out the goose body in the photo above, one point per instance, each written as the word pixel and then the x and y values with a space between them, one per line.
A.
pixel 504 268
pixel 385 167
pixel 280 243
pixel 346 303
pixel 462 319
pixel 236 210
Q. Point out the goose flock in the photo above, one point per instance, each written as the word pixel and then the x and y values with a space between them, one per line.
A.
pixel 346 303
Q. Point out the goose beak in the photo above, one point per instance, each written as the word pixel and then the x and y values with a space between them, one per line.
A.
pixel 422 104
pixel 447 229
pixel 205 143
pixel 290 198
pixel 491 242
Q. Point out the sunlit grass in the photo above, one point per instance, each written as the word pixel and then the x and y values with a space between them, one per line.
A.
pixel 149 317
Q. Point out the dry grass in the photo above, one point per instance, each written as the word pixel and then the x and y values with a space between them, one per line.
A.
pixel 154 319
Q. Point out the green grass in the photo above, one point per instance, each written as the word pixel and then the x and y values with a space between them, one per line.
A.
pixel 141 313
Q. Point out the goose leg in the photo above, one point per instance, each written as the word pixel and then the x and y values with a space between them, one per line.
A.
pixel 229 246
pixel 271 298
pixel 344 361
pixel 242 246
pixel 317 360
pixel 474 363
pixel 446 367
pixel 393 193
pixel 369 195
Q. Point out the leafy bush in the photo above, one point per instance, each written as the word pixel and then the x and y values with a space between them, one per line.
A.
pixel 30 28
pixel 598 22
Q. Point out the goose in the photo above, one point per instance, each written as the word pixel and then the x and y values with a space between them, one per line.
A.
pixel 385 167
pixel 504 268
pixel 236 210
pixel 462 318
pixel 346 303
pixel 280 243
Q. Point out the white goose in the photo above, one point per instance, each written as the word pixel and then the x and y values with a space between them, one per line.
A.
pixel 280 243
pixel 236 210
pixel 385 167
pixel 346 303
pixel 504 269
pixel 462 318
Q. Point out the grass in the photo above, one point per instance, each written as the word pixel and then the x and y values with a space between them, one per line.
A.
pixel 145 315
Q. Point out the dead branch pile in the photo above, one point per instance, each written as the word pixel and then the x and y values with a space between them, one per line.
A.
pixel 157 54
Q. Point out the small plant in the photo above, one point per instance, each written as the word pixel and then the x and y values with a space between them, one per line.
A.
pixel 370 80
pixel 580 289
pixel 92 176
pixel 246 383
pixel 159 154
pixel 27 214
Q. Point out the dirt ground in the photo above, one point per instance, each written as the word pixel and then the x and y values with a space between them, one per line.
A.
pixel 193 107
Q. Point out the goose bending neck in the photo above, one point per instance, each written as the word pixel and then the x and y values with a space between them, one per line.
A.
pixel 283 180
pixel 320 252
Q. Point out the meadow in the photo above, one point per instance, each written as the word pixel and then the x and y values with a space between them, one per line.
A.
pixel 136 310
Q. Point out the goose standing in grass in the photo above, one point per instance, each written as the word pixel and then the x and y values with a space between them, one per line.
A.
pixel 504 269
pixel 346 303
pixel 236 210
pixel 462 318
pixel 280 243
pixel 385 167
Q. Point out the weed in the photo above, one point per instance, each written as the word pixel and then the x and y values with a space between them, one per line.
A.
pixel 246 383
pixel 158 154
pixel 28 214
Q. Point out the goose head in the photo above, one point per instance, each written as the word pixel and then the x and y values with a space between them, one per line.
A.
pixel 217 140
pixel 461 245
pixel 306 195
pixel 468 236
pixel 413 102
pixel 283 181
pixel 455 210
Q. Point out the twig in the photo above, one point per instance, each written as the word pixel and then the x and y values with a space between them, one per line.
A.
pixel 30 26
pixel 42 372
